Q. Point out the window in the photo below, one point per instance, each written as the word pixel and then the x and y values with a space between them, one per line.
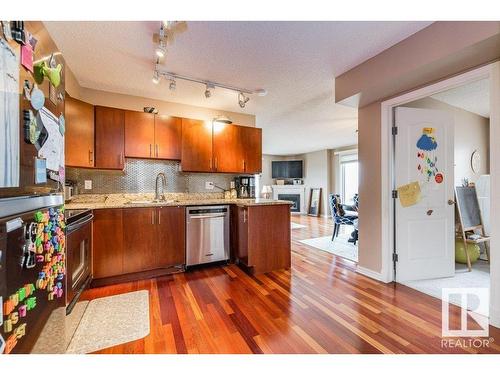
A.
pixel 348 177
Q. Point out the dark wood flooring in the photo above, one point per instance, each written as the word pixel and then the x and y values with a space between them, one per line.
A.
pixel 320 305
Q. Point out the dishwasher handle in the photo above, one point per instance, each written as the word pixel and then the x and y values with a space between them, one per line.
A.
pixel 206 216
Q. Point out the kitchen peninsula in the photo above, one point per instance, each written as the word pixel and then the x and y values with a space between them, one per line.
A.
pixel 135 237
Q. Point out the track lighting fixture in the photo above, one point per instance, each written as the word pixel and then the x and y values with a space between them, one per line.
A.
pixel 161 50
pixel 242 99
pixel 172 86
pixel 208 92
pixel 156 77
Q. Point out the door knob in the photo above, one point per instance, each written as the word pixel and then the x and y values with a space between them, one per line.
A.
pixel 451 202
pixel 429 212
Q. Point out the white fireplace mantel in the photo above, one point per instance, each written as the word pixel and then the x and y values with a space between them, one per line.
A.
pixel 292 189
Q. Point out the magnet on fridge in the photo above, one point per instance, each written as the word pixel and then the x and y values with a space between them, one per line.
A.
pixel 8 306
pixel 31 303
pixel 22 311
pixel 37 98
pixel 14 317
pixel 50 296
pixel 20 331
pixel 10 344
pixel 7 326
pixel 22 294
pixel 14 298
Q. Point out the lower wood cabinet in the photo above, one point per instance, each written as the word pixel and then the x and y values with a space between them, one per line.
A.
pixel 107 243
pixel 130 240
pixel 261 237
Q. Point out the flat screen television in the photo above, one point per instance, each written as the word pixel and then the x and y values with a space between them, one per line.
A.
pixel 287 169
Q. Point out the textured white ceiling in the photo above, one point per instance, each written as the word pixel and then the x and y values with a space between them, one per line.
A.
pixel 295 61
pixel 473 97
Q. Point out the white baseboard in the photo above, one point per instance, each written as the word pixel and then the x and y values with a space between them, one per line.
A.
pixel 373 274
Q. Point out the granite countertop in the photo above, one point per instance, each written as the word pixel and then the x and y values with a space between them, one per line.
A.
pixel 98 201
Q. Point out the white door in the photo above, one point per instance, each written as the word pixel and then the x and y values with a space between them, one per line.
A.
pixel 425 231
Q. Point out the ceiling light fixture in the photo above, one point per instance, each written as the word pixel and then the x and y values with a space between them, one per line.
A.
pixel 242 99
pixel 173 85
pixel 156 77
pixel 208 92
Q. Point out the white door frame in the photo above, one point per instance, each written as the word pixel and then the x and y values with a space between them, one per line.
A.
pixel 491 71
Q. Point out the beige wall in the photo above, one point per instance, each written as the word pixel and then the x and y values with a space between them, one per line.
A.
pixel 439 51
pixel 471 133
pixel 137 103
pixel 370 187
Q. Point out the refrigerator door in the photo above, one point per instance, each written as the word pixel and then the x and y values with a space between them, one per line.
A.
pixel 33 272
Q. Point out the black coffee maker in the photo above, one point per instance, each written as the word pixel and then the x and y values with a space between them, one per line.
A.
pixel 245 186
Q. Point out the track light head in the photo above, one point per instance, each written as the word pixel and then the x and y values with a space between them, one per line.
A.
pixel 172 86
pixel 156 77
pixel 208 90
pixel 161 49
pixel 242 100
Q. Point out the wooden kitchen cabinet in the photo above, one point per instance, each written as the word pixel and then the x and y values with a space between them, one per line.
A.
pixel 139 134
pixel 79 135
pixel 139 237
pixel 109 138
pixel 252 146
pixel 170 235
pixel 107 243
pixel 168 137
pixel 196 152
pixel 229 148
pixel 263 238
pixel 137 240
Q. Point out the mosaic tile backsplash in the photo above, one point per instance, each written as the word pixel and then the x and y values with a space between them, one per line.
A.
pixel 139 176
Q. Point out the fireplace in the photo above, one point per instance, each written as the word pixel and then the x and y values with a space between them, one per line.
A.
pixel 295 198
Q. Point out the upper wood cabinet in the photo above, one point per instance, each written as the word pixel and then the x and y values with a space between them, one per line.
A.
pixel 220 148
pixel 152 136
pixel 109 138
pixel 79 135
pixel 196 154
pixel 252 145
pixel 139 134
pixel 168 137
pixel 229 148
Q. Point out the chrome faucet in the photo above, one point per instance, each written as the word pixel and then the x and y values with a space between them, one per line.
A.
pixel 163 178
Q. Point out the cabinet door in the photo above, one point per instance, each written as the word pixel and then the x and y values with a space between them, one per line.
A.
pixel 196 154
pixel 109 138
pixel 79 135
pixel 107 243
pixel 139 134
pixel 242 231
pixel 229 151
pixel 139 239
pixel 252 145
pixel 168 137
pixel 170 236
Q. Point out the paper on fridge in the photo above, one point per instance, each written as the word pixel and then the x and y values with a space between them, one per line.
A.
pixel 409 194
pixel 9 116
pixel 53 148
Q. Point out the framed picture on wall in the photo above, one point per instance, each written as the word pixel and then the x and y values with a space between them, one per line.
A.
pixel 314 202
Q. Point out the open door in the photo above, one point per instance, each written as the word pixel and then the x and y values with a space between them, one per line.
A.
pixel 425 243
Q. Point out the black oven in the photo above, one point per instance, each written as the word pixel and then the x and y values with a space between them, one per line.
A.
pixel 79 254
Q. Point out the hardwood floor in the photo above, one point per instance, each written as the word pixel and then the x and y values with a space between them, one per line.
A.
pixel 320 305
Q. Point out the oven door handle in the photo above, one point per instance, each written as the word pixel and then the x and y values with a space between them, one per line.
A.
pixel 79 223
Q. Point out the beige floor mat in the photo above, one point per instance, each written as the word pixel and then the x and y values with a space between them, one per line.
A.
pixel 111 321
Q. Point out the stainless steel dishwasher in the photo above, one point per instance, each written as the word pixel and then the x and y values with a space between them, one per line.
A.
pixel 207 234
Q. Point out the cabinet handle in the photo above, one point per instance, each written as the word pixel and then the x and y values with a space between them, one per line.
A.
pixel 244 166
pixel 216 163
pixel 157 148
pixel 120 158
pixel 152 217
pixel 150 150
pixel 159 217
pixel 244 215
pixel 90 157
pixel 210 163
